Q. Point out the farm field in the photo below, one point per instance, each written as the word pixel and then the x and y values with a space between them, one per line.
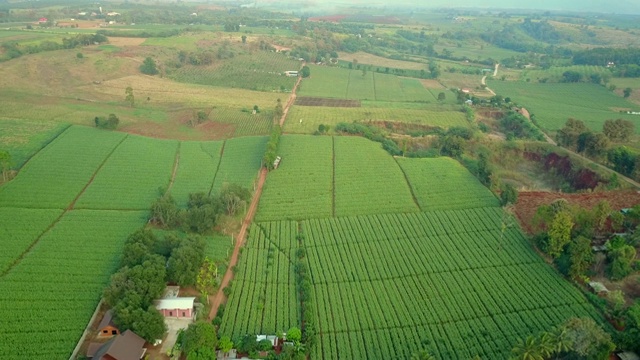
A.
pixel 263 71
pixel 197 166
pixel 370 59
pixel 353 84
pixel 367 179
pixel 264 300
pixel 135 171
pixel 554 74
pixel 553 104
pixel 440 295
pixel 313 116
pixel 444 184
pixel 57 174
pixel 23 138
pixel 73 279
pixel 241 160
pixel 302 186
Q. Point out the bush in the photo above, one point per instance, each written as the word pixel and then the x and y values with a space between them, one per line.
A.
pixel 110 122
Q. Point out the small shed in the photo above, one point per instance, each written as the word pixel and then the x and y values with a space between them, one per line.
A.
pixel 291 73
pixel 179 307
pixel 272 338
pixel 107 327
pixel 627 355
pixel 598 288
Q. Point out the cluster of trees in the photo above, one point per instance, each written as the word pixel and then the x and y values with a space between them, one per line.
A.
pixel 199 341
pixel 111 122
pixel 515 126
pixel 565 233
pixel 148 263
pixel 13 50
pixel 576 136
pixel 576 338
pixel 601 56
pixel 249 345
pixel 274 140
pixel 202 210
pixel 205 57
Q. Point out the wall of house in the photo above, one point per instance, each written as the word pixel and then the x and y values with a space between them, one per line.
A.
pixel 110 330
pixel 176 313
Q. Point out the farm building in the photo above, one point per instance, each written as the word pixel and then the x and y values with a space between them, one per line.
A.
pixel 106 326
pixel 179 307
pixel 598 288
pixel 127 346
pixel 291 73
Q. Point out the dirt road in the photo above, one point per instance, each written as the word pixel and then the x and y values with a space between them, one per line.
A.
pixel 484 80
pixel 218 298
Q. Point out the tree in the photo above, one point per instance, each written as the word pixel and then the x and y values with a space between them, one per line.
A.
pixel 110 122
pixel 621 260
pixel 233 197
pixel 560 233
pixel 148 66
pixel 244 39
pixel 206 277
pixel 581 257
pixel 593 145
pixel 588 339
pixel 568 135
pixel 509 195
pixel 627 92
pixel 144 283
pixel 79 55
pixel 165 211
pixel 305 72
pixel 138 248
pixel 527 349
pixel 5 164
pixel 601 213
pixel 453 146
pixel 225 345
pixel 279 110
pixel 199 335
pixel 618 130
pixel 441 96
pixel 294 334
pixel 571 76
pixel 186 260
pixel 202 353
pixel 364 71
pixel 129 96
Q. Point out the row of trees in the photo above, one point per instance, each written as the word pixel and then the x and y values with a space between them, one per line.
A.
pixel 272 146
pixel 111 122
pixel 202 210
pixel 576 136
pixel 13 49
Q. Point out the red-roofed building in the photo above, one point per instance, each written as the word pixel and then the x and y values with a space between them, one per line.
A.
pixel 107 327
pixel 43 20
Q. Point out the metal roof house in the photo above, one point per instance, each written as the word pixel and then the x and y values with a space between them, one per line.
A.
pixel 127 346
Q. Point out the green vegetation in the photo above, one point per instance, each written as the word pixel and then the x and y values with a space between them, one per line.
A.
pixel 240 162
pixel 197 166
pixel 153 162
pixel 59 172
pixel 553 104
pixel 444 184
pixel 302 186
pixel 75 257
pixel 367 180
pixel 23 138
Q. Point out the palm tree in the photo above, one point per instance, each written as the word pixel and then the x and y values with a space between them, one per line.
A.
pixel 527 350
pixel 546 344
pixel 423 355
pixel 561 340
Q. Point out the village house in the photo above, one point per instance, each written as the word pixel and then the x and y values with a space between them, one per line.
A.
pixel 179 307
pixel 127 346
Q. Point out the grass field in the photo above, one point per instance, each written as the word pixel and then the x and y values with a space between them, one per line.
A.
pixel 58 173
pixel 302 186
pixel 312 116
pixel 132 175
pixel 444 184
pixel 553 104
pixel 554 74
pixel 367 180
pixel 370 59
pixel 439 294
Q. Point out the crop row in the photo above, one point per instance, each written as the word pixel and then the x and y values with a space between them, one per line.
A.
pixel 453 282
pixel 302 186
pixel 57 174
pixel 444 184
pixel 48 297
pixel 240 162
pixel 367 180
pixel 197 166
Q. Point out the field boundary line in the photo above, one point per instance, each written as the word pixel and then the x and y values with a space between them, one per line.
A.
pixel 73 203
pixel 333 176
pixel 215 175
pixel 375 92
pixel 406 179
pixel 74 354
pixel 176 163
pixel 62 214
pixel 47 143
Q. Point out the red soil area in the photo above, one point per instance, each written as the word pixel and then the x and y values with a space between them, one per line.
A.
pixel 528 202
